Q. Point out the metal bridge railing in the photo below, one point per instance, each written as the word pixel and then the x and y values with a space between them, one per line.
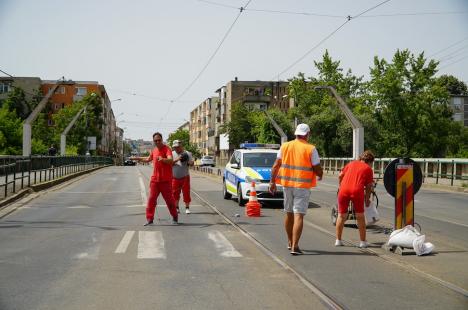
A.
pixel 448 171
pixel 19 172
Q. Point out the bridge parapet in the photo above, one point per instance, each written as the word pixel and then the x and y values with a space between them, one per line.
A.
pixel 447 171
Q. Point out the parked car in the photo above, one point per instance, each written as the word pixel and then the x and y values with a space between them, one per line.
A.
pixel 207 161
pixel 129 162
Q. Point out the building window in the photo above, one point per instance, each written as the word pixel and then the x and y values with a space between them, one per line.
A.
pixel 81 91
pixel 50 122
pixel 60 90
pixel 57 106
pixel 4 88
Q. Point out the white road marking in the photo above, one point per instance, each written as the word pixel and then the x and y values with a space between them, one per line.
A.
pixel 99 192
pixel 123 245
pixel 93 251
pixel 79 207
pixel 144 198
pixel 134 206
pixel 151 245
pixel 223 245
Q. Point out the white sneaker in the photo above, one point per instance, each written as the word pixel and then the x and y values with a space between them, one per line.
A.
pixel 338 243
pixel 187 211
pixel 363 244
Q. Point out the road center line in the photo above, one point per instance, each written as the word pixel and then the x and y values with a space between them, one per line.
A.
pixel 123 245
pixel 151 245
pixel 144 198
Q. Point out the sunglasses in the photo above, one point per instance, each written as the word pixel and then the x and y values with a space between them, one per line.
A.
pixel 157 140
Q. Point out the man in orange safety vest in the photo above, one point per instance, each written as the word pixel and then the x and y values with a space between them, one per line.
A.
pixel 297 167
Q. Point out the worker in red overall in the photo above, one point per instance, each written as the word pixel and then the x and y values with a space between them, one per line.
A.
pixel 161 180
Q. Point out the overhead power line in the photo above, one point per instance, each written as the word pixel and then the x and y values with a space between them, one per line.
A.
pixel 334 15
pixel 454 62
pixel 241 10
pixel 448 47
pixel 453 54
pixel 348 19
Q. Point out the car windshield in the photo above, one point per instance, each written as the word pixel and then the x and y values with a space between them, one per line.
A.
pixel 207 157
pixel 259 159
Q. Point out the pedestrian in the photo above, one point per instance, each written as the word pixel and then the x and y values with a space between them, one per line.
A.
pixel 355 182
pixel 180 174
pixel 52 150
pixel 296 168
pixel 161 180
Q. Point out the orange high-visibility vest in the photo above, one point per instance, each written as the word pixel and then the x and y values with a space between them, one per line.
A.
pixel 296 166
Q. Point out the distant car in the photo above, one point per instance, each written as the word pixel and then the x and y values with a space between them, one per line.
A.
pixel 207 161
pixel 129 162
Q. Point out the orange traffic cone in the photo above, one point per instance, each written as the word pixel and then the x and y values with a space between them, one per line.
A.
pixel 252 208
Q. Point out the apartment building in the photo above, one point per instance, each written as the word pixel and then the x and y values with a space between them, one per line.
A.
pixel 71 91
pixel 207 119
pixel 202 126
pixel 459 104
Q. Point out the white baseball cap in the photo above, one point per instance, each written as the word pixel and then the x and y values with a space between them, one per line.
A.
pixel 176 143
pixel 302 130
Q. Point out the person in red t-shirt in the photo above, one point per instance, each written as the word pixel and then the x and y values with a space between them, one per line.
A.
pixel 161 180
pixel 356 180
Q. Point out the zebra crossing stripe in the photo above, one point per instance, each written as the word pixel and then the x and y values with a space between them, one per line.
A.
pixel 123 245
pixel 224 247
pixel 150 245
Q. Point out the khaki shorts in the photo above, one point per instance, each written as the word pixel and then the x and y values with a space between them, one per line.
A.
pixel 296 200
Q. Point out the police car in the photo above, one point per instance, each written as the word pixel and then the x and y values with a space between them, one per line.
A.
pixel 252 162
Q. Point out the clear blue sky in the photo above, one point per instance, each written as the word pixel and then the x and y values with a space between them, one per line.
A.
pixel 155 49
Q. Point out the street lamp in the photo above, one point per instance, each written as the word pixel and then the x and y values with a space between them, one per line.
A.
pixel 358 129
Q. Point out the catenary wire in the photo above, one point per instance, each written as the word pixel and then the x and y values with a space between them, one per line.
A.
pixel 208 62
pixel 448 47
pixel 452 63
pixel 349 18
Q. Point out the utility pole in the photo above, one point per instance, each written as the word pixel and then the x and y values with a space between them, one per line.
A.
pixel 358 129
pixel 63 135
pixel 280 131
pixel 32 117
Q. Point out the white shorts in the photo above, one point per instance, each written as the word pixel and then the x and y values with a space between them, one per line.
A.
pixel 296 200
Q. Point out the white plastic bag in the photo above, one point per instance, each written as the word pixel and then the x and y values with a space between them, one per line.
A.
pixel 421 247
pixel 403 237
pixel 371 213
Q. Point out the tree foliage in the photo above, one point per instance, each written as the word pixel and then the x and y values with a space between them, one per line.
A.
pixel 184 136
pixel 11 131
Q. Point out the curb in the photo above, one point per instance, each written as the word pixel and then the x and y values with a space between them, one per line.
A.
pixel 40 187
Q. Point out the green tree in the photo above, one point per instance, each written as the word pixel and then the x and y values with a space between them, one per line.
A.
pixel 88 124
pixel 263 130
pixel 184 136
pixel 239 128
pixel 411 108
pixel 330 131
pixel 16 101
pixel 11 131
pixel 453 85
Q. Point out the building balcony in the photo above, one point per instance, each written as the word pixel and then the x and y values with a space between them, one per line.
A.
pixel 251 98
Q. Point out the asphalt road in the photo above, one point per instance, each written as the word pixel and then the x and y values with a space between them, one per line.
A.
pixel 83 246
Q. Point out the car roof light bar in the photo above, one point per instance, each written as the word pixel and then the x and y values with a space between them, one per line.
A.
pixel 251 146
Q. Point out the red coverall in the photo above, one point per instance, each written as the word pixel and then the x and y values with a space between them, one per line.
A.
pixel 161 183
